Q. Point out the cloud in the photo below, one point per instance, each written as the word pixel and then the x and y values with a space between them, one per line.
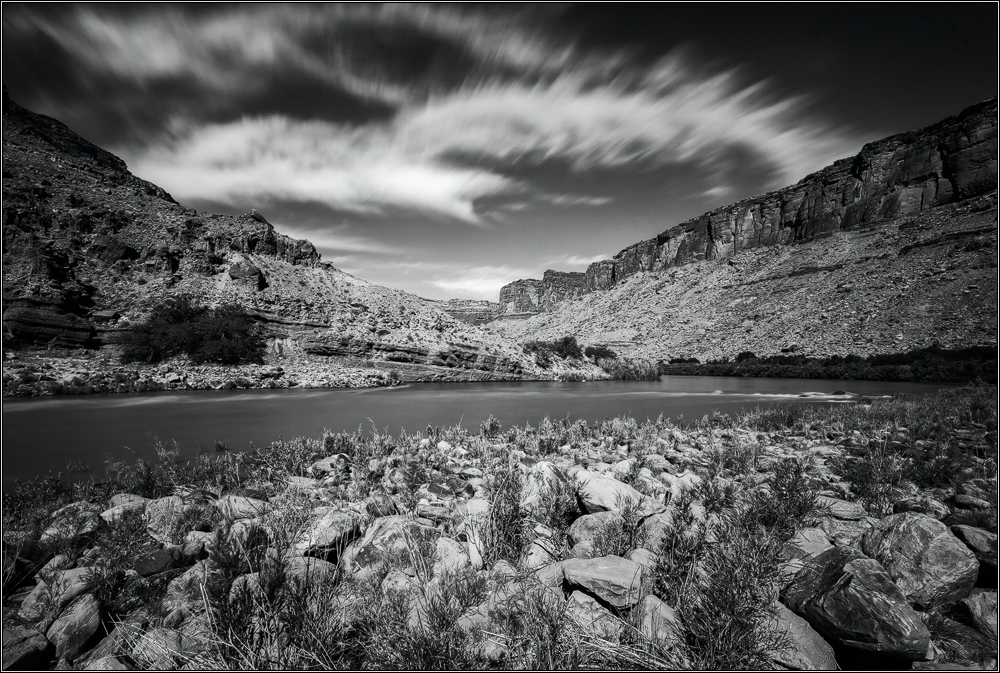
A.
pixel 479 282
pixel 500 88
pixel 578 261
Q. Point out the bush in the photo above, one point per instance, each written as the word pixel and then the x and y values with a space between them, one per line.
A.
pixel 226 334
pixel 596 353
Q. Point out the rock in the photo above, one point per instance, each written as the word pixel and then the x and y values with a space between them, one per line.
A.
pixel 235 507
pixel 970 502
pixel 25 649
pixel 329 532
pixel 163 649
pixel 589 526
pixel 844 533
pixel 842 509
pixel 384 536
pixel 170 518
pixel 850 599
pixel 929 506
pixel 302 483
pixel 451 557
pixel 186 588
pixel 539 554
pixel 806 542
pixel 330 465
pixel 657 621
pixel 983 608
pixel 54 592
pixel 613 579
pixel 807 651
pixel 76 627
pixel 598 493
pixel 982 543
pixel 930 565
pixel 123 499
pixel 380 504
pixel 542 478
pixel 109 663
pixel 592 618
pixel 643 557
pixel 72 521
pixel 152 562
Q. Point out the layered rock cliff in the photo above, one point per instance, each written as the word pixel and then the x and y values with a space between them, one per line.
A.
pixel 88 249
pixel 890 250
pixel 527 297
pixel 899 176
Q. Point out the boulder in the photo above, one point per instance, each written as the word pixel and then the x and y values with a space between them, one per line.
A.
pixel 592 617
pixel 386 535
pixel 72 521
pixel 53 592
pixel 845 532
pixel 25 649
pixel 643 557
pixel 186 588
pixel 613 579
pixel 164 649
pixel 329 532
pixel 931 566
pixel 235 507
pixel 598 493
pixel 109 663
pixel 122 499
pixel 929 506
pixel 542 478
pixel 152 561
pixel 851 599
pixel 983 609
pixel 806 651
pixel 76 627
pixel 589 526
pixel 169 519
pixel 806 542
pixel 844 510
pixel 451 557
pixel 330 465
pixel 657 621
pixel 982 543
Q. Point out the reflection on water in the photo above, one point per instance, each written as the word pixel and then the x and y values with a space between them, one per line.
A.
pixel 41 434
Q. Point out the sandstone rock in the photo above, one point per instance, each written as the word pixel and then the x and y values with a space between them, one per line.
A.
pixel 842 509
pixel 72 521
pixel 589 526
pixel 971 502
pixel 187 588
pixel 806 542
pixel 451 557
pixel 235 507
pixel 598 493
pixel 807 650
pixel 850 599
pixel 25 649
pixel 929 506
pixel 124 505
pixel 982 543
pixel 329 532
pixel 170 518
pixel 76 627
pixel 54 592
pixel 844 533
pixel 330 465
pixel 592 618
pixel 164 649
pixel 643 557
pixel 930 565
pixel 613 579
pixel 657 621
pixel 109 663
pixel 387 535
pixel 983 608
pixel 153 561
pixel 539 482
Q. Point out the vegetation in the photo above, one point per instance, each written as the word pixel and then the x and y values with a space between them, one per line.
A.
pixel 717 557
pixel 931 365
pixel 225 335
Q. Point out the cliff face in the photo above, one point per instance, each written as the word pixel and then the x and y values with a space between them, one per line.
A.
pixel 899 176
pixel 527 297
pixel 89 249
pixel 472 311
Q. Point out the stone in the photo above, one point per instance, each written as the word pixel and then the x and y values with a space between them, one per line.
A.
pixel 983 609
pixel 592 618
pixel 588 527
pixel 982 543
pixel 844 533
pixel 385 536
pixel 451 557
pixel 72 521
pixel 541 479
pixel 931 566
pixel 235 507
pixel 643 557
pixel 850 599
pixel 613 579
pixel 330 465
pixel 598 493
pixel 971 502
pixel 844 510
pixel 169 519
pixel 657 621
pixel 163 649
pixel 806 542
pixel 54 592
pixel 929 506
pixel 806 651
pixel 329 533
pixel 109 663
pixel 186 588
pixel 25 649
pixel 76 627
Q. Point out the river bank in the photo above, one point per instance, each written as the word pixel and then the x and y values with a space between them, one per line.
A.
pixel 565 545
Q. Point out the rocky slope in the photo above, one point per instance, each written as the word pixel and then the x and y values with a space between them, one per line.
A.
pixel 873 247
pixel 89 248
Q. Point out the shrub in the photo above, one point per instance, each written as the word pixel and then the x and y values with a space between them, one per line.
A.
pixel 226 334
pixel 503 533
pixel 622 369
pixel 596 353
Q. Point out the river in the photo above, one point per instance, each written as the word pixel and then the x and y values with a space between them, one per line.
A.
pixel 76 434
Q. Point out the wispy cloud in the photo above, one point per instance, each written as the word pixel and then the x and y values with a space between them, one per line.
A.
pixel 480 282
pixel 495 88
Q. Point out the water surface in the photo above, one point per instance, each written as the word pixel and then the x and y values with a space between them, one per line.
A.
pixel 79 433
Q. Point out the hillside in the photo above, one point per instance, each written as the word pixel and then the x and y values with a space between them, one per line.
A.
pixel 891 250
pixel 89 249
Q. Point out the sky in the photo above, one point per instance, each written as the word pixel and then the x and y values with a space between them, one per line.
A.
pixel 450 149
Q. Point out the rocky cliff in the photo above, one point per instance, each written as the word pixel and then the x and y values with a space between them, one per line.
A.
pixel 527 297
pixel 899 176
pixel 472 311
pixel 88 249
pixel 890 250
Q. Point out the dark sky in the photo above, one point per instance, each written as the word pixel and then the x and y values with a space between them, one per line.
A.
pixel 449 149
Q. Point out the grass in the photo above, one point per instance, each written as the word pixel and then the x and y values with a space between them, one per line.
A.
pixel 717 562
